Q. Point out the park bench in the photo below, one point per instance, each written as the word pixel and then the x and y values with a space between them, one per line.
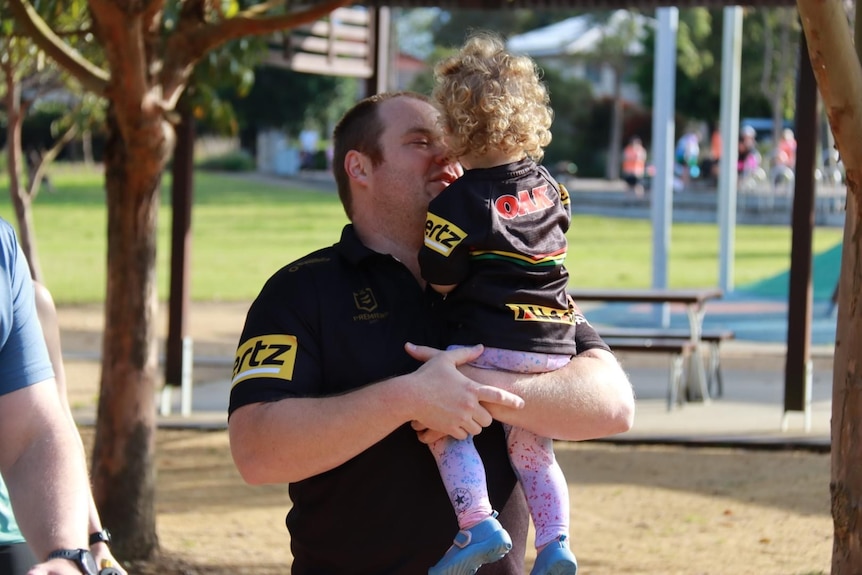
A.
pixel 646 336
pixel 678 348
pixel 693 300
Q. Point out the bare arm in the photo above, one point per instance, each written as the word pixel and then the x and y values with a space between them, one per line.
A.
pixel 283 441
pixel 47 480
pixel 47 312
pixel 591 397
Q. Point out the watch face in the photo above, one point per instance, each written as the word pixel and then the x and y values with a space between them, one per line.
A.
pixel 89 563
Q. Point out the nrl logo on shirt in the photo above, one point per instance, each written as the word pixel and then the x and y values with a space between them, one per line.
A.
pixel 365 301
pixel 441 235
pixel 530 312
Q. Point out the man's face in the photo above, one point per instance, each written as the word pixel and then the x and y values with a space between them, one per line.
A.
pixel 415 165
pixel 414 148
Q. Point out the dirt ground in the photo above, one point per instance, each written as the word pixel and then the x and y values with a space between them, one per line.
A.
pixel 635 509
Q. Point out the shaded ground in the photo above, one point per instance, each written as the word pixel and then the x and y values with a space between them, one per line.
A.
pixel 635 509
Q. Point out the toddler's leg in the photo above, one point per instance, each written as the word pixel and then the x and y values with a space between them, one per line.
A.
pixel 547 495
pixel 482 538
pixel 463 476
pixel 543 482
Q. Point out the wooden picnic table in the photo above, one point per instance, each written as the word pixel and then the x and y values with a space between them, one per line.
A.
pixel 694 300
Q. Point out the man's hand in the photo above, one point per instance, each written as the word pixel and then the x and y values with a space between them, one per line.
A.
pixel 104 558
pixel 54 567
pixel 451 403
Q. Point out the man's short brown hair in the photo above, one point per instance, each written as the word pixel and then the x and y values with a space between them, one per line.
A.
pixel 360 129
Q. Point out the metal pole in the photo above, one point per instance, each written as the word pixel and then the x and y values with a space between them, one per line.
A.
pixel 664 94
pixel 731 58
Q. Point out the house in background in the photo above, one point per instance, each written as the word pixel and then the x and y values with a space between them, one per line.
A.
pixel 407 67
pixel 577 48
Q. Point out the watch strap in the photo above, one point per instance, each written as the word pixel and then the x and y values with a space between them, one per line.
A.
pixel 80 557
pixel 102 536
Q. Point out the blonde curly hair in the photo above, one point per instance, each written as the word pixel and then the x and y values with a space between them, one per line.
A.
pixel 491 99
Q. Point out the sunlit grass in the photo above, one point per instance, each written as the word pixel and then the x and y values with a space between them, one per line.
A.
pixel 244 230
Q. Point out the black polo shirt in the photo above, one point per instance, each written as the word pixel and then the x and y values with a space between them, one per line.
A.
pixel 334 321
pixel 500 234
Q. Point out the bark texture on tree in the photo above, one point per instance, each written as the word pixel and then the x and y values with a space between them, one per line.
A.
pixel 839 79
pixel 123 471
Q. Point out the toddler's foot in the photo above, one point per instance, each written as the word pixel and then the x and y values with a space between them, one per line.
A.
pixel 556 559
pixel 485 542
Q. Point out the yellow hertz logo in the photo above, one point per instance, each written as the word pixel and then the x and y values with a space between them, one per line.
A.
pixel 442 236
pixel 529 312
pixel 265 356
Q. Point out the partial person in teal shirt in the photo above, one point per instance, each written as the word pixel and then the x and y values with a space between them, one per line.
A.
pixel 41 459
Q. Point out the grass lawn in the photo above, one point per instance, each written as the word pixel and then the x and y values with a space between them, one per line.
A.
pixel 244 230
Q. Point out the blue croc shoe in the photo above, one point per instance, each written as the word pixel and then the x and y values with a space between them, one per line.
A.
pixel 485 542
pixel 556 559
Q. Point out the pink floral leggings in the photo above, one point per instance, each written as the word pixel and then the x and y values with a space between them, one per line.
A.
pixel 531 455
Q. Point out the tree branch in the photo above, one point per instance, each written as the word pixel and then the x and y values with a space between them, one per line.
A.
pixel 47 158
pixel 839 77
pixel 90 76
pixel 183 50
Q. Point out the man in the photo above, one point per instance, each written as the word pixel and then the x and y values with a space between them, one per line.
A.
pixel 16 557
pixel 327 396
pixel 40 459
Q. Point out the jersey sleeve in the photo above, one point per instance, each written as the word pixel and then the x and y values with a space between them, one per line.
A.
pixel 23 353
pixel 451 221
pixel 586 336
pixel 278 355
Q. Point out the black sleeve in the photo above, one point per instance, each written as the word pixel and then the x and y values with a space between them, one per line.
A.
pixel 586 336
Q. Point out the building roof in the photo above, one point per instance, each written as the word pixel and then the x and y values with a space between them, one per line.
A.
pixel 578 35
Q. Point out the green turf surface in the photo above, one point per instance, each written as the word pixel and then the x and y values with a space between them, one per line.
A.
pixel 243 230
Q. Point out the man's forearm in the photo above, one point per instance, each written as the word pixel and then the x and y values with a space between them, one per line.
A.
pixel 590 397
pixel 293 439
pixel 296 438
pixel 49 493
pixel 46 477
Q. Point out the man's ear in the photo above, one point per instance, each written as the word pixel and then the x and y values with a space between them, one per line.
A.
pixel 357 165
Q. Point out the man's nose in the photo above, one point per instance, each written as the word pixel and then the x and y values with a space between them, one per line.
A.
pixel 442 155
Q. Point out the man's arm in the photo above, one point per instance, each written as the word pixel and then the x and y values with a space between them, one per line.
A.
pixel 47 312
pixel 590 397
pixel 296 438
pixel 41 464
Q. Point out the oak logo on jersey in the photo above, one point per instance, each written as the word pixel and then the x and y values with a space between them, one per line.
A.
pixel 441 235
pixel 531 312
pixel 526 202
pixel 265 356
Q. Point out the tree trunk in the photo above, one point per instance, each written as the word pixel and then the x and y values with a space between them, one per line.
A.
pixel 15 160
pixel 846 485
pixel 839 79
pixel 123 457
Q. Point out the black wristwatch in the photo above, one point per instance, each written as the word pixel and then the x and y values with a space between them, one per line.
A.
pixel 103 536
pixel 80 557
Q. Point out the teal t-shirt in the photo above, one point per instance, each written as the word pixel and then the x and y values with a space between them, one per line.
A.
pixel 9 532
